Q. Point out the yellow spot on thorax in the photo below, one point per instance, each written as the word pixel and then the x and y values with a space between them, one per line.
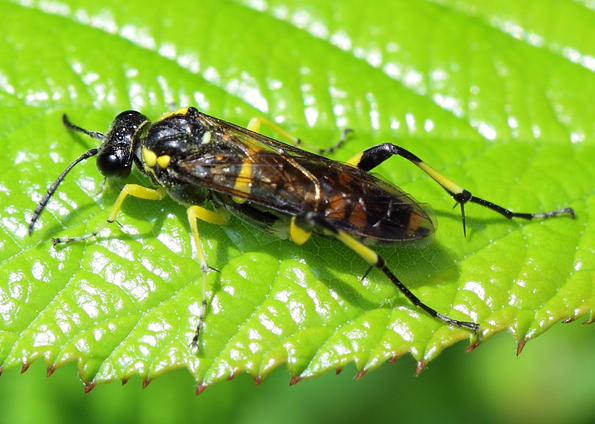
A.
pixel 206 138
pixel 149 157
pixel 163 161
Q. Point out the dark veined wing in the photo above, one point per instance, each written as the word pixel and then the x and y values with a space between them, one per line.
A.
pixel 379 213
pixel 273 175
pixel 251 166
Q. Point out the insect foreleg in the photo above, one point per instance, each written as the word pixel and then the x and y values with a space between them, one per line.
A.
pixel 374 156
pixel 134 190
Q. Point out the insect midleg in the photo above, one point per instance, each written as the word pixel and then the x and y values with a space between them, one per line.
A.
pixel 194 214
pixel 378 262
pixel 254 125
pixel 374 156
pixel 134 190
pixel 298 234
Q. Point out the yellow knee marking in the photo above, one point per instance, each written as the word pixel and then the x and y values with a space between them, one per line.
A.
pixel 365 252
pixel 298 235
pixel 135 190
pixel 440 179
pixel 254 125
pixel 198 212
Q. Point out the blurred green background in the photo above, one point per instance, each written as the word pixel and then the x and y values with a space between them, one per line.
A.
pixel 517 72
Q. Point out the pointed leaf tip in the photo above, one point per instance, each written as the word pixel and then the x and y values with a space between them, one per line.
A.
pixel 295 380
pixel 89 386
pixel 201 387
pixel 420 367
pixel 472 346
pixel 521 346
pixel 50 371
pixel 393 359
pixel 360 374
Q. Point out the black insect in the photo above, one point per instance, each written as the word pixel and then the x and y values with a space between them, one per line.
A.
pixel 201 161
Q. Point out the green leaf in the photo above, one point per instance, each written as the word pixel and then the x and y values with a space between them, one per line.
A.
pixel 490 93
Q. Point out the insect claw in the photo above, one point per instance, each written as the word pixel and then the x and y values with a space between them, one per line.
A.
pixel 367 272
pixel 101 187
pixel 463 218
pixel 194 343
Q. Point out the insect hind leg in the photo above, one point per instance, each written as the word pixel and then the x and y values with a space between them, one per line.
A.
pixel 378 262
pixel 374 156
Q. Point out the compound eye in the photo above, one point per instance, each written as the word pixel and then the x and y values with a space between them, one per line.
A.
pixel 114 164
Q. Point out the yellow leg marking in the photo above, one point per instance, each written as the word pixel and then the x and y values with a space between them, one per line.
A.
pixel 206 215
pixel 354 161
pixel 254 125
pixel 440 179
pixel 136 190
pixel 194 214
pixel 133 190
pixel 364 251
pixel 298 235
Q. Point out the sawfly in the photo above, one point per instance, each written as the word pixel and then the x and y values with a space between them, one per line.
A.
pixel 219 170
